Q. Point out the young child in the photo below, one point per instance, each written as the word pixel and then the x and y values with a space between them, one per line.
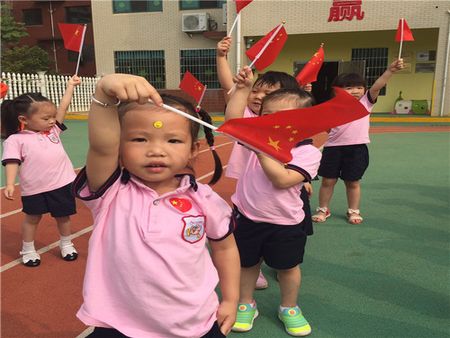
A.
pixel 149 273
pixel 268 211
pixel 32 125
pixel 265 84
pixel 345 154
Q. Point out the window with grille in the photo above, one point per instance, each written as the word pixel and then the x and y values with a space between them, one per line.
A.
pixel 78 14
pixel 32 16
pixel 202 64
pixel 135 6
pixel 146 63
pixel 376 63
pixel 199 4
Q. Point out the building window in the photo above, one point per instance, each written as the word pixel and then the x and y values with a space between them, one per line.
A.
pixel 79 14
pixel 202 64
pixel 199 4
pixel 376 60
pixel 32 17
pixel 146 63
pixel 130 6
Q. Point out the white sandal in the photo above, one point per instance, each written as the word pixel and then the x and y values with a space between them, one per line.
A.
pixel 354 216
pixel 321 215
pixel 68 252
pixel 30 258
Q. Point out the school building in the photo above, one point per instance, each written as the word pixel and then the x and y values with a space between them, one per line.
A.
pixel 160 40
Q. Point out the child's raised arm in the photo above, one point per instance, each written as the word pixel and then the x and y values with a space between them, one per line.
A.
pixel 104 127
pixel 238 101
pixel 384 78
pixel 223 68
pixel 65 101
pixel 280 176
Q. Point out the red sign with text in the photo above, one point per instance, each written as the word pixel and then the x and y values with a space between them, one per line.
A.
pixel 346 10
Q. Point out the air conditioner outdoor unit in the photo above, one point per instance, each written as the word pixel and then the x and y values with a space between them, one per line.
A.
pixel 194 22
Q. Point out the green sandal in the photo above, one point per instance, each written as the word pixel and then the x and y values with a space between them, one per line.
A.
pixel 246 314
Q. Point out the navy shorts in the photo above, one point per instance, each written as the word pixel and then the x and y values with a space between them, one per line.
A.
pixel 346 162
pixel 280 246
pixel 59 202
pixel 307 222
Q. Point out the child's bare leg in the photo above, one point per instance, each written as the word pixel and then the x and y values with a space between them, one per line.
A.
pixel 353 189
pixel 68 251
pixel 29 227
pixel 326 191
pixel 290 280
pixel 247 284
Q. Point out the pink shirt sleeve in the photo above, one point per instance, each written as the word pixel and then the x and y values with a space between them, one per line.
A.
pixel 306 161
pixel 12 149
pixel 217 212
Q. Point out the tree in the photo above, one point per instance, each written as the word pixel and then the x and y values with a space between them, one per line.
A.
pixel 14 58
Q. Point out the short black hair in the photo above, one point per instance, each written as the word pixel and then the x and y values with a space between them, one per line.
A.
pixel 349 80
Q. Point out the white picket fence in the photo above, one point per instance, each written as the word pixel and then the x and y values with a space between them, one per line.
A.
pixel 52 87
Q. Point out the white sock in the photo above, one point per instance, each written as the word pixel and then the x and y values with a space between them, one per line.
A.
pixel 282 308
pixel 65 241
pixel 28 246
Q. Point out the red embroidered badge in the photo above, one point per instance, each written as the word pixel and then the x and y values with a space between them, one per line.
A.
pixel 181 204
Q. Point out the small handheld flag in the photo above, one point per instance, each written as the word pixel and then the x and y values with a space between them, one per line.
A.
pixel 404 33
pixel 264 52
pixel 240 4
pixel 73 37
pixel 193 87
pixel 276 134
pixel 3 90
pixel 309 72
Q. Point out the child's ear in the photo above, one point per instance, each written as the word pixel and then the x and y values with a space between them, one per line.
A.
pixel 22 119
pixel 195 149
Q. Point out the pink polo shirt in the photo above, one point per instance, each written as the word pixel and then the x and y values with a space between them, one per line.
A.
pixel 44 164
pixel 239 154
pixel 149 273
pixel 355 132
pixel 257 198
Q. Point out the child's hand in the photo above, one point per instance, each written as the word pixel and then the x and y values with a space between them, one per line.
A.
pixel 226 316
pixel 9 191
pixel 129 88
pixel 308 188
pixel 223 46
pixel 396 65
pixel 74 81
pixel 244 79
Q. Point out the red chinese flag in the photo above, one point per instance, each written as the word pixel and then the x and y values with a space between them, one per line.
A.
pixel 309 72
pixel 191 86
pixel 272 50
pixel 3 90
pixel 72 35
pixel 407 34
pixel 276 134
pixel 240 4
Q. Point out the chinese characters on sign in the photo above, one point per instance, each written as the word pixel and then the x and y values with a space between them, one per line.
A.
pixel 346 10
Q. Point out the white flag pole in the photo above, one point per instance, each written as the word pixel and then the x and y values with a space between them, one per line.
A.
pixel 81 48
pixel 234 23
pixel 186 115
pixel 262 50
pixel 402 21
pixel 201 98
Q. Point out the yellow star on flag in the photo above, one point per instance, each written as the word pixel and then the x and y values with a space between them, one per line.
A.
pixel 274 144
pixel 294 132
pixel 276 126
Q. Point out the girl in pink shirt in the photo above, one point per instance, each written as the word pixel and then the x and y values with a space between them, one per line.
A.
pixel 345 154
pixel 149 272
pixel 269 214
pixel 31 125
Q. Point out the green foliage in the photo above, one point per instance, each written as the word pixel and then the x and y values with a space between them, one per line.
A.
pixel 25 59
pixel 15 58
pixel 11 31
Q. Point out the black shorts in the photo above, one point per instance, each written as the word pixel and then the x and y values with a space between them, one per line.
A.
pixel 346 162
pixel 280 246
pixel 59 202
pixel 103 332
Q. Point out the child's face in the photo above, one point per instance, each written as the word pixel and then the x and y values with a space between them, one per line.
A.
pixel 257 94
pixel 355 91
pixel 156 145
pixel 42 119
pixel 274 106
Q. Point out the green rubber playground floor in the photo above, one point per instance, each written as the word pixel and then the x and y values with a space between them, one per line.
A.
pixel 388 277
